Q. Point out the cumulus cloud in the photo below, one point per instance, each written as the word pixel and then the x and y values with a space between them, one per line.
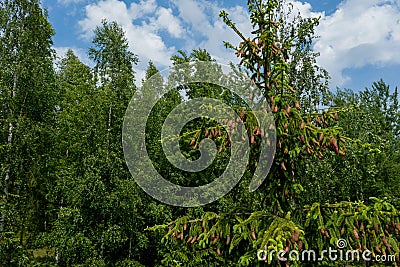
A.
pixel 208 30
pixel 166 20
pixel 142 8
pixel 203 19
pixel 142 35
pixel 305 9
pixel 112 10
pixel 359 33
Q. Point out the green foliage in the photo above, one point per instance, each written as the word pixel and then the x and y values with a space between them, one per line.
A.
pixel 370 167
pixel 28 98
pixel 68 199
pixel 11 252
pixel 279 59
pixel 300 130
pixel 237 238
pixel 97 206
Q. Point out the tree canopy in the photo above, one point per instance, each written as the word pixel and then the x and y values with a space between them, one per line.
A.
pixel 69 199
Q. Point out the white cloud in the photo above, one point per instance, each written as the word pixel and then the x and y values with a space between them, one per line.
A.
pixel 192 12
pixel 209 31
pixel 166 20
pixel 143 36
pixel 112 10
pixel 359 33
pixel 144 7
pixel 305 9
pixel 203 19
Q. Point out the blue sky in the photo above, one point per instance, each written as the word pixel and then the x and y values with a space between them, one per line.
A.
pixel 359 39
